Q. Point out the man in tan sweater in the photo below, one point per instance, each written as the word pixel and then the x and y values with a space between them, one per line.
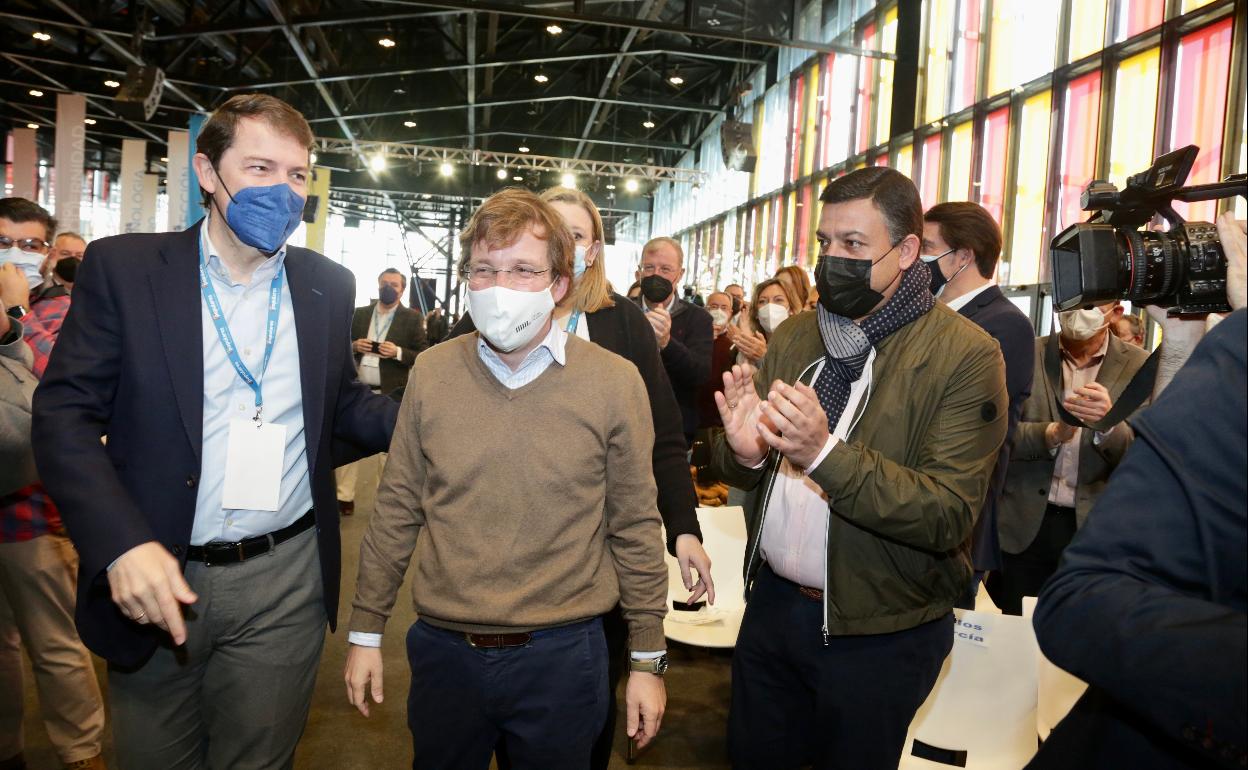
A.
pixel 520 479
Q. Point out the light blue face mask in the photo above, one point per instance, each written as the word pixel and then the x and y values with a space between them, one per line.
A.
pixel 264 217
pixel 28 262
pixel 578 261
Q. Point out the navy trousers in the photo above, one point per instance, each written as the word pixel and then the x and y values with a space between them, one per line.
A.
pixel 797 702
pixel 544 702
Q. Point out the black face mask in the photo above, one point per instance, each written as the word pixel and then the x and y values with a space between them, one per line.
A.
pixel 844 285
pixel 67 269
pixel 736 305
pixel 387 294
pixel 938 276
pixel 656 289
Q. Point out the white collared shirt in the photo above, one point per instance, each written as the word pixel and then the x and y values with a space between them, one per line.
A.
pixel 957 303
pixel 552 349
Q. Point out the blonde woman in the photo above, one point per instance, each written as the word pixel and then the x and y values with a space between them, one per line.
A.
pixel 773 304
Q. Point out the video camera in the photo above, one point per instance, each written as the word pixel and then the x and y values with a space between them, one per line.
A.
pixel 1110 257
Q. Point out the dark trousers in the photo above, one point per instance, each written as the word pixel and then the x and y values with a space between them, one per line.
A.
pixel 846 705
pixel 1023 574
pixel 616 630
pixel 545 702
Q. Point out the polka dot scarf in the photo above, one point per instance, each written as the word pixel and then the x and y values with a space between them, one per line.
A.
pixel 849 344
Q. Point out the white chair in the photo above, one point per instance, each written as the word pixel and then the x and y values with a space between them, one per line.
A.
pixel 723 537
pixel 984 702
pixel 1058 689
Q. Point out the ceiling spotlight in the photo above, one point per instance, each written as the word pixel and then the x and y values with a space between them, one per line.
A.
pixel 89 121
pixel 631 185
pixel 112 84
pixel 41 36
pixel 610 186
pixel 567 180
pixel 675 78
pixel 517 178
pixel 554 29
pixel 501 173
pixel 36 92
pixel 377 162
pixel 33 126
pixel 409 124
pixel 400 91
pixel 446 169
pixel 164 160
pixel 523 148
pixel 541 77
pixel 386 42
pixel 312 158
pixel 648 123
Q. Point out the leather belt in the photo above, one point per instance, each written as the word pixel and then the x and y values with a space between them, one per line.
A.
pixel 814 594
pixel 496 641
pixel 214 553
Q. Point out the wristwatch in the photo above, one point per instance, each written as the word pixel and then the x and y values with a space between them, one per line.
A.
pixel 17 311
pixel 657 666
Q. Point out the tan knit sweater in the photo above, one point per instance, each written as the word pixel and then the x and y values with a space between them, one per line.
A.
pixel 522 506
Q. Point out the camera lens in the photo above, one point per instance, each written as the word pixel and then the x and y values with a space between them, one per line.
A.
pixel 1151 259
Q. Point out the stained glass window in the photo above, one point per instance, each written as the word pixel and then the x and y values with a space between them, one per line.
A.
pixel 961 162
pixel 993 160
pixel 1087 28
pixel 1135 100
pixel 1199 110
pixel 1029 239
pixel 1078 154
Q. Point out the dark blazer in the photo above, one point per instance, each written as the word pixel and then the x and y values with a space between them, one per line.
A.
pixel 687 358
pixel 1012 330
pixel 1149 604
pixel 1026 493
pixel 623 330
pixel 407 330
pixel 129 365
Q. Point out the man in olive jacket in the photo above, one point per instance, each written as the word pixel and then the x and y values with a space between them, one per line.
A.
pixel 868 438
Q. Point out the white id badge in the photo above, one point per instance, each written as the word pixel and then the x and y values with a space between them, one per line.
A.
pixel 370 360
pixel 253 465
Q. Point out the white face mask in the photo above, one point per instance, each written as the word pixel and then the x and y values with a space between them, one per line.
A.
pixel 509 318
pixel 1081 324
pixel 772 315
pixel 27 261
pixel 719 316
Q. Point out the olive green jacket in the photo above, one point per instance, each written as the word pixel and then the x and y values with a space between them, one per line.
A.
pixel 906 485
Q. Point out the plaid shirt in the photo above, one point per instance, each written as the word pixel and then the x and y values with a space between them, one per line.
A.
pixel 42 325
pixel 26 514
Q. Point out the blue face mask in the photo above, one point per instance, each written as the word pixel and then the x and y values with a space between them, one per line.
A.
pixel 264 217
pixel 578 261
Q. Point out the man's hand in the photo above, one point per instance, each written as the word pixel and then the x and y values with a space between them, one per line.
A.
pixel 363 347
pixel 752 344
pixel 646 698
pixel 1234 236
pixel 14 289
pixel 148 586
pixel 689 552
pixel 661 320
pixel 1089 403
pixel 388 349
pixel 1058 433
pixel 801 425
pixel 363 673
pixel 738 405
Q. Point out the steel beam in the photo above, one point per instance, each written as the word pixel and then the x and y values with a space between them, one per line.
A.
pixel 679 107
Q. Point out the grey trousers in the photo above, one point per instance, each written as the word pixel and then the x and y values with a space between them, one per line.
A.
pixel 236 695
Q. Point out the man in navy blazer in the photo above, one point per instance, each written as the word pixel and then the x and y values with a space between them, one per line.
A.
pixel 962 243
pixel 216 365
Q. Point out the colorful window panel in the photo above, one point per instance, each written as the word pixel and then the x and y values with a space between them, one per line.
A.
pixel 775 251
pixel 940 17
pixel 1191 5
pixel 1087 28
pixel 789 254
pixel 867 69
pixel 1134 115
pixel 1024 37
pixel 1136 16
pixel 993 160
pixel 796 103
pixel 961 162
pixel 810 120
pixel 905 160
pixel 884 98
pixel 801 254
pixel 880 160
pixel 929 189
pixel 1078 153
pixel 966 54
pixel 1029 241
pixel 841 86
pixel 1199 110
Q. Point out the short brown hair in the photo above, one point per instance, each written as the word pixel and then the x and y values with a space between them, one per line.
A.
pixel 892 193
pixel 966 225
pixel 508 214
pixel 592 291
pixel 18 210
pixel 217 135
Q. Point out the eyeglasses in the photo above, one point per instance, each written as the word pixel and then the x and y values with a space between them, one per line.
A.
pixel 25 244
pixel 481 276
pixel 667 271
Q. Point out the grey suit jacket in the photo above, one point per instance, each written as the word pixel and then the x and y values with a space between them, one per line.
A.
pixel 1030 474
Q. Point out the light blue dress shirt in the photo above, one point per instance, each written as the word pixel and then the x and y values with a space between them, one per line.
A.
pixel 549 351
pixel 227 397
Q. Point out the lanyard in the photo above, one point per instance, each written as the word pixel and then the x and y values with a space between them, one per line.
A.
pixel 381 335
pixel 223 327
pixel 573 320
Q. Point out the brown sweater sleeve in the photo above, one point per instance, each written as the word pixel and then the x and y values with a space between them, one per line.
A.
pixel 391 536
pixel 632 518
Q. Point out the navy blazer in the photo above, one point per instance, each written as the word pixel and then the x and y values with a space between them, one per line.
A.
pixel 995 314
pixel 129 365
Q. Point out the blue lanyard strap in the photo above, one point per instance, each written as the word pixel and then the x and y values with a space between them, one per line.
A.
pixel 227 339
pixel 573 320
pixel 379 335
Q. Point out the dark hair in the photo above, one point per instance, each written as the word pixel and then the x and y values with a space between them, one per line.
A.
pixel 966 225
pixel 392 271
pixel 889 190
pixel 22 210
pixel 217 135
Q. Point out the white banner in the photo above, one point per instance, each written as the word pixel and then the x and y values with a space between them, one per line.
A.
pixel 177 182
pixel 151 189
pixel 133 188
pixel 25 158
pixel 71 140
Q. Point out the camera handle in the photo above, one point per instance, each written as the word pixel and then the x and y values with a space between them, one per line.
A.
pixel 1132 398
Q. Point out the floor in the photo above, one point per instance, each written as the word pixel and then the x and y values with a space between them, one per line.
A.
pixel 339 738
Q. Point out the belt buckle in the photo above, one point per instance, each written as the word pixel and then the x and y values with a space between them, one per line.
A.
pixel 242 557
pixel 472 641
